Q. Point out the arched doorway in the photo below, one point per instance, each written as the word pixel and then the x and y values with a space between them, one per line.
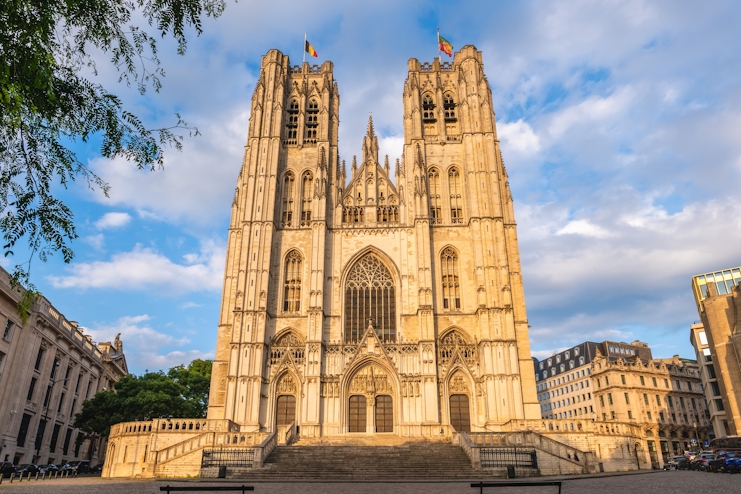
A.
pixel 384 414
pixel 357 419
pixel 460 413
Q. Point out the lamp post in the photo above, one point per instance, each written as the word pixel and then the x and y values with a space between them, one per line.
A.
pixel 46 411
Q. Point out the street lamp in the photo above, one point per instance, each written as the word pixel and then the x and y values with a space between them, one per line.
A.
pixel 46 411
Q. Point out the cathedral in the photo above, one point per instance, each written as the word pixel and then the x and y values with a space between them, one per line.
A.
pixel 379 296
pixel 378 305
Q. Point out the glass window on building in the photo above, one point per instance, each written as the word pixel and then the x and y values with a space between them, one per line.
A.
pixel 643 382
pixel 707 355
pixel 716 389
pixel 703 338
pixel 622 378
pixel 719 405
pixel 654 382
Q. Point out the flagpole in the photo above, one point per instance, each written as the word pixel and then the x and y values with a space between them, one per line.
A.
pixel 438 43
pixel 304 47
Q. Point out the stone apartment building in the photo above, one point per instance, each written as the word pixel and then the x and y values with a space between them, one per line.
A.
pixel 710 384
pixel 718 299
pixel 616 382
pixel 48 368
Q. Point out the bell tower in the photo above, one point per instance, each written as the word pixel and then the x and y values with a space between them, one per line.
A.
pixel 280 211
pixel 455 169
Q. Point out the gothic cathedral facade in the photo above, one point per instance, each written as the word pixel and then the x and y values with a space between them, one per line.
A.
pixel 386 298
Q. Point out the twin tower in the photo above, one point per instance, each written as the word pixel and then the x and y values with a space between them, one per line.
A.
pixel 375 297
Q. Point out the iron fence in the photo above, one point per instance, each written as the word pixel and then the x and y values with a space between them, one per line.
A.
pixel 228 457
pixel 505 457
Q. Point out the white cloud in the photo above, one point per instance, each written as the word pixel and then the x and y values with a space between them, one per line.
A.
pixel 113 220
pixel 518 137
pixel 594 111
pixel 190 305
pixel 145 268
pixel 583 227
pixel 95 241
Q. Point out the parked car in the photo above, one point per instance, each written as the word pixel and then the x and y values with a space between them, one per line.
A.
pixel 27 468
pixel 736 466
pixel 7 468
pixel 50 468
pixel 701 461
pixel 729 462
pixel 718 463
pixel 676 463
pixel 81 466
pixel 97 468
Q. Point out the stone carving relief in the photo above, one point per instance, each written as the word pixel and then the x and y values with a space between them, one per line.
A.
pixel 371 380
pixel 286 385
pixel 458 383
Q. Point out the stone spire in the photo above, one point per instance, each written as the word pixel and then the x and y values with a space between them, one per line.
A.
pixel 370 143
pixel 386 166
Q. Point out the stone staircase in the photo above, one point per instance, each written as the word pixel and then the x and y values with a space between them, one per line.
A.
pixel 365 461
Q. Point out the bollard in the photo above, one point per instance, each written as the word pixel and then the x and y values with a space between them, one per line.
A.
pixel 55 474
pixel 37 476
pixel 21 478
pixel 12 476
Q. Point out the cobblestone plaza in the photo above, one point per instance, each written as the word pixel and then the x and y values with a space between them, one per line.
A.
pixel 648 482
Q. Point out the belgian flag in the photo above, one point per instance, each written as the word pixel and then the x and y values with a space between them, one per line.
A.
pixel 310 49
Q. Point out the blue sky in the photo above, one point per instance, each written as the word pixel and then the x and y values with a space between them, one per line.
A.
pixel 619 123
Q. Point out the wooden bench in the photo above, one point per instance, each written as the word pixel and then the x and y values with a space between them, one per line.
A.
pixel 544 483
pixel 209 488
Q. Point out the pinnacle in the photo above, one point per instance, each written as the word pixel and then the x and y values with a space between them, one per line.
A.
pixel 371 132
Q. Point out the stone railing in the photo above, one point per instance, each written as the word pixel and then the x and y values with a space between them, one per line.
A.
pixel 196 426
pixel 528 439
pixel 288 434
pixel 555 426
pixel 264 449
pixel 473 452
pixel 473 443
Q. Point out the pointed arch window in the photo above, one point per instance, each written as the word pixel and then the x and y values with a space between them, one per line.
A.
pixel 312 120
pixel 454 184
pixel 288 184
pixel 292 121
pixel 451 287
pixel 306 193
pixel 292 284
pixel 436 214
pixel 428 109
pixel 449 108
pixel 370 293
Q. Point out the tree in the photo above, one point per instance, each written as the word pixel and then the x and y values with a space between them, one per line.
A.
pixel 45 105
pixel 181 393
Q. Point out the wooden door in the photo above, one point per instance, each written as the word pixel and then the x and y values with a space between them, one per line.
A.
pixel 286 409
pixel 460 415
pixel 384 414
pixel 357 413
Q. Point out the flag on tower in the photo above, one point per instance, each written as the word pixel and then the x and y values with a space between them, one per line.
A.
pixel 445 45
pixel 310 49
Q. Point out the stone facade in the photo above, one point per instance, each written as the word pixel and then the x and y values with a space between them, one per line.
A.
pixel 617 382
pixel 721 321
pixel 399 287
pixel 710 385
pixel 48 367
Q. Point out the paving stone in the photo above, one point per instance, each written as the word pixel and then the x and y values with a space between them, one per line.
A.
pixel 644 483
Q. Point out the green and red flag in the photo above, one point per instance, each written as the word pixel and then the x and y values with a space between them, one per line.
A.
pixel 310 49
pixel 445 45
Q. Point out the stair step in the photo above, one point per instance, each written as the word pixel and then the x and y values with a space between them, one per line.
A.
pixel 421 459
